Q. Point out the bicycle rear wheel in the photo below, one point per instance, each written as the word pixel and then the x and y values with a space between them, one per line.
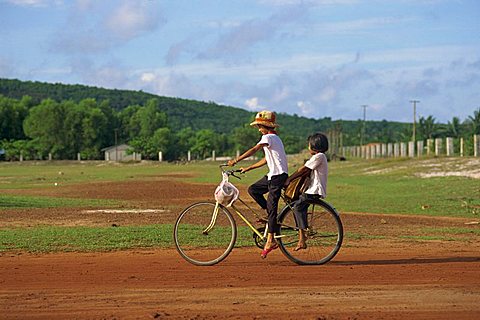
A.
pixel 324 234
pixel 203 237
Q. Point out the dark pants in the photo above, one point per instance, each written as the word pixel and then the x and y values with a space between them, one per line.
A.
pixel 300 209
pixel 274 189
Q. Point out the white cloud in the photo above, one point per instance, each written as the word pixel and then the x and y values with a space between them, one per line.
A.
pixel 360 25
pixel 306 108
pixel 148 77
pixel 130 19
pixel 97 27
pixel 252 103
pixel 247 34
pixel 327 94
pixel 35 3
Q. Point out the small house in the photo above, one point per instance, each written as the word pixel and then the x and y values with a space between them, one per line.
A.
pixel 119 153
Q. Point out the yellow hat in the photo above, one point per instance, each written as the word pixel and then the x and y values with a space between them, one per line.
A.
pixel 265 118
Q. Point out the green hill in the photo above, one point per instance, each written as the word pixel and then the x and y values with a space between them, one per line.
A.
pixel 202 115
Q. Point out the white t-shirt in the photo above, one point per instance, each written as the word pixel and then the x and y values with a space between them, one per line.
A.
pixel 318 177
pixel 275 155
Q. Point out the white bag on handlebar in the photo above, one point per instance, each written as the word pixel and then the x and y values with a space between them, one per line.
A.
pixel 226 193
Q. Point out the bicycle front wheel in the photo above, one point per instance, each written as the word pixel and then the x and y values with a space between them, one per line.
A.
pixel 324 234
pixel 205 233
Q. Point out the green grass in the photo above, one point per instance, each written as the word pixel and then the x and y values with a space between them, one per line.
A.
pixel 51 239
pixel 429 238
pixel 375 186
pixel 15 202
pixel 84 239
pixel 454 230
pixel 392 186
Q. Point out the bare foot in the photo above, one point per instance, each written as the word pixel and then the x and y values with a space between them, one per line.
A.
pixel 300 246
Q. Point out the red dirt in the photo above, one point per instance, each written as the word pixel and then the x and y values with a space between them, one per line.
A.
pixel 386 277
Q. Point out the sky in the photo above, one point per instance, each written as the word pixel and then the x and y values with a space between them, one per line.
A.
pixel 313 58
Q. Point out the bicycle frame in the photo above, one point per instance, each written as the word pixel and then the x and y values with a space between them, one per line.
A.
pixel 247 222
pixel 240 214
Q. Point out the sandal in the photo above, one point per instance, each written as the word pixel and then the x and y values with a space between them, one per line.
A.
pixel 265 252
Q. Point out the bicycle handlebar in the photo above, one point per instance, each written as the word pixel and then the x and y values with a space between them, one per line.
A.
pixel 230 172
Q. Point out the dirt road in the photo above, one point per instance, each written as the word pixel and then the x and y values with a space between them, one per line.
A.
pixel 374 282
pixel 385 270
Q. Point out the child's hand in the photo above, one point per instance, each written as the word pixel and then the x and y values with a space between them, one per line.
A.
pixel 244 170
pixel 231 163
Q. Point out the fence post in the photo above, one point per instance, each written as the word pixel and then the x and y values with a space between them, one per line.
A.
pixel 449 145
pixel 476 146
pixel 461 147
pixel 160 156
pixel 373 152
pixel 79 157
pixel 429 146
pixel 189 156
pixel 403 149
pixel 389 150
pixel 438 146
pixel 411 149
pixel 396 149
pixel 49 156
pixel 21 156
pixel 419 148
pixel 213 155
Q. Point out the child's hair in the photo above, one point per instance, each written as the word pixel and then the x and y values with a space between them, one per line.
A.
pixel 318 142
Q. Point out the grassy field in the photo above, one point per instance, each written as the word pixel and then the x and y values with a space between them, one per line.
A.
pixel 376 186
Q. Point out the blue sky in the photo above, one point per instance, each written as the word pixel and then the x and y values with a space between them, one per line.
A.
pixel 314 58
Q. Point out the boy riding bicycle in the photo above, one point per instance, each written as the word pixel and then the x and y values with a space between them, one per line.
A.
pixel 276 160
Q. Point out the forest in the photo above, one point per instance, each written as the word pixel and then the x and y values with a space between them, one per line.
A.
pixel 38 119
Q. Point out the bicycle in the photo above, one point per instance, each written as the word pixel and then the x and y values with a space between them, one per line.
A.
pixel 205 232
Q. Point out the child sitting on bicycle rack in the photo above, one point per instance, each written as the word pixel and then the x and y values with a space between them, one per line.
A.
pixel 317 169
pixel 276 160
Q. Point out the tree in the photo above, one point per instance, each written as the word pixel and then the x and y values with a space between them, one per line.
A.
pixel 205 142
pixel 46 124
pixel 454 128
pixel 151 118
pixel 184 140
pixel 67 128
pixel 475 122
pixel 162 140
pixel 427 127
pixel 12 115
pixel 245 137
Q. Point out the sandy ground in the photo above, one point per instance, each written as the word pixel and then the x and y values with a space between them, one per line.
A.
pixel 383 277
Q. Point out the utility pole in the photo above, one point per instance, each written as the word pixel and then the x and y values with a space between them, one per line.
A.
pixel 116 145
pixel 414 116
pixel 362 136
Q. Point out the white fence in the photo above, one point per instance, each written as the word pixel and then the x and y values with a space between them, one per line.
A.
pixel 432 147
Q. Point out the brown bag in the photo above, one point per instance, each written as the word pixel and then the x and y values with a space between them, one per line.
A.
pixel 296 187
